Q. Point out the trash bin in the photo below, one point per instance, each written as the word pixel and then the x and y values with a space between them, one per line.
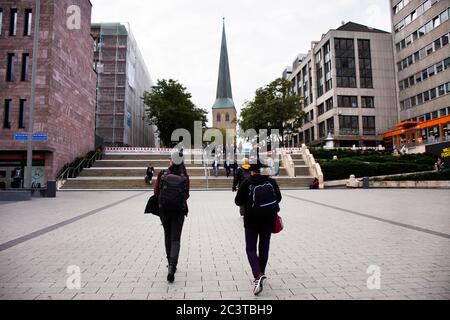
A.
pixel 51 189
pixel 366 183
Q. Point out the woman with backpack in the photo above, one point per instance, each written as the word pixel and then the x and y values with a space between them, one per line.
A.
pixel 172 191
pixel 260 196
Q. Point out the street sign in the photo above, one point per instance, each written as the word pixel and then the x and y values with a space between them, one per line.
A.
pixel 36 137
pixel 40 137
pixel 21 137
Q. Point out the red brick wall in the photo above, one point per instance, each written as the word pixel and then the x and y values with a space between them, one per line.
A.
pixel 66 82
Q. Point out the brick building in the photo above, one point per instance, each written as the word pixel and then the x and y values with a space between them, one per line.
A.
pixel 65 85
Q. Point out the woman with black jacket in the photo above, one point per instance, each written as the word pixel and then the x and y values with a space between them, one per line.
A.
pixel 260 196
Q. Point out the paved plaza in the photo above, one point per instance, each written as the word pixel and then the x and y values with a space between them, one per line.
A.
pixel 330 240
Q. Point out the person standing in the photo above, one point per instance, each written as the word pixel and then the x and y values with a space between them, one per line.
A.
pixel 149 173
pixel 172 191
pixel 260 196
pixel 227 166
pixel 216 167
pixel 242 174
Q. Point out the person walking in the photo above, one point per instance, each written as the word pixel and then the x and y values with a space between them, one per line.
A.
pixel 260 196
pixel 227 166
pixel 216 167
pixel 242 174
pixel 172 191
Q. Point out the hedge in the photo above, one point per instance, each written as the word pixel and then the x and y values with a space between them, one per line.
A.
pixel 431 176
pixel 342 169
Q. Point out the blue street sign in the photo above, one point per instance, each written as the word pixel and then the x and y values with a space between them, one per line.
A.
pixel 40 137
pixel 21 137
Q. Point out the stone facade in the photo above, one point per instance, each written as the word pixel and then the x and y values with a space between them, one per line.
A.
pixel 323 112
pixel 65 85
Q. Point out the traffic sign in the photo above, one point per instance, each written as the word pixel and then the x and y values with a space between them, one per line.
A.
pixel 21 137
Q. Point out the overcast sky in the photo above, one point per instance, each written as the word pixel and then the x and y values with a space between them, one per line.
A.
pixel 180 39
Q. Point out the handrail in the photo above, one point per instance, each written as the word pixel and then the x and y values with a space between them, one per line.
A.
pixel 205 166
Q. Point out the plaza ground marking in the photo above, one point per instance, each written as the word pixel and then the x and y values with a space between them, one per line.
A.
pixel 399 224
pixel 51 228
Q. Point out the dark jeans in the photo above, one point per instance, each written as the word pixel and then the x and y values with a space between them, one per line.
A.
pixel 257 262
pixel 173 226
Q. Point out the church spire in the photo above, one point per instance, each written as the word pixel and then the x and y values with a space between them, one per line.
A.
pixel 224 96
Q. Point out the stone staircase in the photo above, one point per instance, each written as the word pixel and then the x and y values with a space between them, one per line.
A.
pixel 127 172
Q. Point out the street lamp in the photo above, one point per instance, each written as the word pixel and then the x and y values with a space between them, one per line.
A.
pixel 33 96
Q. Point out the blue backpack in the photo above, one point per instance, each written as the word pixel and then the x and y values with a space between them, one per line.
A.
pixel 263 197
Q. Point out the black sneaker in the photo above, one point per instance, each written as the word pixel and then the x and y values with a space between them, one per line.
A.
pixel 258 285
pixel 171 274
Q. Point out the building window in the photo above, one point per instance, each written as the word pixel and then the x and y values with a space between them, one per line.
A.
pixel 367 102
pixel 330 126
pixel 22 113
pixel 13 23
pixel 349 125
pixel 319 74
pixel 6 114
pixel 347 101
pixel 1 21
pixel 365 64
pixel 227 117
pixel 322 132
pixel 25 67
pixel 345 63
pixel 10 67
pixel 369 126
pixel 28 22
pixel 328 67
pixel 329 104
pixel 321 109
pixel 218 117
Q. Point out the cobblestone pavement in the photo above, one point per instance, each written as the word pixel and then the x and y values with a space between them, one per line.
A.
pixel 330 240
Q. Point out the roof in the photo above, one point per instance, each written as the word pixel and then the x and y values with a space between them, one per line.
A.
pixel 356 27
pixel 224 96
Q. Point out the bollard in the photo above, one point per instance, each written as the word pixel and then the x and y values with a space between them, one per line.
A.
pixel 366 183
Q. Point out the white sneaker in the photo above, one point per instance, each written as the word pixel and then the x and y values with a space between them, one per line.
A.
pixel 258 285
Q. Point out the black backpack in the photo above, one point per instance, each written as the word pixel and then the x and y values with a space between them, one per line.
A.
pixel 264 198
pixel 172 190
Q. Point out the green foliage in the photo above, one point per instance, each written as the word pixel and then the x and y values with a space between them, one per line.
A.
pixel 273 108
pixel 342 169
pixel 431 176
pixel 169 107
pixel 369 163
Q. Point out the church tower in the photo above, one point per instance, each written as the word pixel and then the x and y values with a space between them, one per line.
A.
pixel 224 111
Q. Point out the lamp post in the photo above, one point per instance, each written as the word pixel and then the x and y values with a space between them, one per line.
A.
pixel 33 96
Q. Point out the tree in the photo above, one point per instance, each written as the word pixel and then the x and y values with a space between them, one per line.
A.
pixel 274 107
pixel 169 107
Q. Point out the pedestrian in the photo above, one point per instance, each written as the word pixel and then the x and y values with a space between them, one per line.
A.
pixel 439 165
pixel 216 167
pixel 172 191
pixel 315 184
pixel 242 174
pixel 260 196
pixel 227 166
pixel 149 174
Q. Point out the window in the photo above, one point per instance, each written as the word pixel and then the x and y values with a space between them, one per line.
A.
pixel 22 113
pixel 218 117
pixel 13 23
pixel 365 64
pixel 447 63
pixel 441 90
pixel 25 68
pixel 369 126
pixel 321 109
pixel 432 93
pixel 426 96
pixel 1 21
pixel 329 104
pixel 227 117
pixel 349 125
pixel 322 132
pixel 367 102
pixel 330 125
pixel 10 67
pixel 28 22
pixel 345 63
pixel 347 101
pixel 6 115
